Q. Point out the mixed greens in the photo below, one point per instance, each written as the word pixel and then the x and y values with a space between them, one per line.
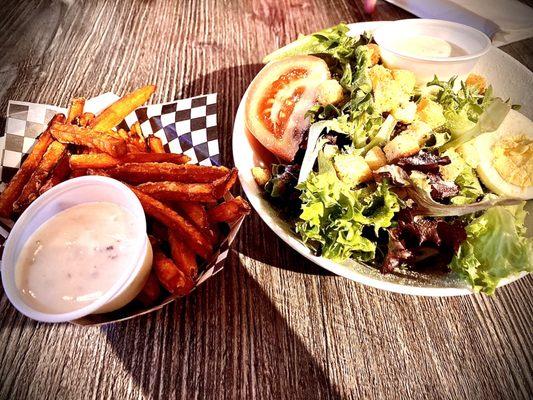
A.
pixel 386 177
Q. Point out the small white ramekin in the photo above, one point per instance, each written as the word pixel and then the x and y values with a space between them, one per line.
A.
pixel 473 42
pixel 65 195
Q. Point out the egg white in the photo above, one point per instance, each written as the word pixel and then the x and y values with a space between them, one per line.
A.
pixel 515 124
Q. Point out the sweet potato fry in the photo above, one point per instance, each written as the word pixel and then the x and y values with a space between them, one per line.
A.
pixel 182 255
pixel 31 190
pixel 155 144
pixel 196 212
pixel 151 291
pixel 232 178
pixel 201 192
pixel 156 157
pixel 229 211
pixel 17 183
pixel 159 231
pixel 75 110
pixel 157 172
pixel 116 112
pixel 123 134
pixel 86 119
pixel 114 146
pixel 58 175
pixel 164 214
pixel 137 137
pixel 98 160
pixel 170 276
pixel 79 172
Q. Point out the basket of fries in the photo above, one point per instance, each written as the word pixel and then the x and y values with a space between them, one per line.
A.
pixel 167 154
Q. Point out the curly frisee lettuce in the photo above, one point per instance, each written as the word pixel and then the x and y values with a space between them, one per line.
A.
pixel 496 248
pixel 334 215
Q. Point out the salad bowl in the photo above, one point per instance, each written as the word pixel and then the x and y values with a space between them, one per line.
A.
pixel 510 80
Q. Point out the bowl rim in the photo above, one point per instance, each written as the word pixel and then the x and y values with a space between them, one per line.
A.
pixel 54 195
pixel 387 27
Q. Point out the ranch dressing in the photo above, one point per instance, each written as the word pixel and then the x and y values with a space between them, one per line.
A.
pixel 426 46
pixel 77 256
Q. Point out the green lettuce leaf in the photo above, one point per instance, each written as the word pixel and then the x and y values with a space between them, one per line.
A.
pixel 464 176
pixel 495 248
pixel 333 41
pixel 334 215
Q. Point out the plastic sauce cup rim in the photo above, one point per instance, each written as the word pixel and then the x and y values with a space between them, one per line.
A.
pixel 12 290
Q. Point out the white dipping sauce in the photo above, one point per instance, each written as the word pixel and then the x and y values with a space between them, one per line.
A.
pixel 426 46
pixel 76 256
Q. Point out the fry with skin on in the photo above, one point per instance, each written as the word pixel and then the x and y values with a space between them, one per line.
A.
pixel 229 211
pixel 114 146
pixel 17 183
pixel 31 190
pixel 157 172
pixel 201 192
pixel 170 276
pixel 151 290
pixel 182 255
pixel 86 119
pixel 75 110
pixel 98 160
pixel 174 221
pixel 60 173
pixel 155 144
pixel 116 112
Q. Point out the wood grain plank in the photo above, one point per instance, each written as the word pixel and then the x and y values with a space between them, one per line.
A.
pixel 271 325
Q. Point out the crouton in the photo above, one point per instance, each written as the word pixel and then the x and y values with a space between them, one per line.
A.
pixel 378 73
pixel 388 92
pixel 406 79
pixel 430 112
pixel 375 158
pixel 420 131
pixel 477 81
pixel 403 145
pixel 375 54
pixel 352 169
pixel 405 112
pixel 261 175
pixel 329 92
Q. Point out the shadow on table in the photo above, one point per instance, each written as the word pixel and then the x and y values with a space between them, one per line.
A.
pixel 226 340
pixel 255 240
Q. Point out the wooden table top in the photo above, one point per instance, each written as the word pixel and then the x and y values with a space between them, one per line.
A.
pixel 271 325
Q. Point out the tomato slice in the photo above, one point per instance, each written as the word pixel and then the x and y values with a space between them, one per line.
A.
pixel 278 100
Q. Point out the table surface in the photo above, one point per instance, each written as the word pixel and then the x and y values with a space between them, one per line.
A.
pixel 271 325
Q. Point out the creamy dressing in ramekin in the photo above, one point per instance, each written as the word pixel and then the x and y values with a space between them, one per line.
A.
pixel 76 256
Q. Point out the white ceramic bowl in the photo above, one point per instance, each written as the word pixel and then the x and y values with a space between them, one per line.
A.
pixel 509 78
pixel 65 195
pixel 473 42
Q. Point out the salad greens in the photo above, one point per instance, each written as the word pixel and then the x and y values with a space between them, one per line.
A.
pixel 495 248
pixel 463 107
pixel 384 169
pixel 334 214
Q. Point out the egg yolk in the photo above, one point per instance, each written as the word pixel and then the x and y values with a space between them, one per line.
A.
pixel 513 159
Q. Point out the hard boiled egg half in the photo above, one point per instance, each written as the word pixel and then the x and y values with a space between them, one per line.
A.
pixel 505 157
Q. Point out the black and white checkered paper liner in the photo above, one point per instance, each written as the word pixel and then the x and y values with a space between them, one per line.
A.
pixel 187 126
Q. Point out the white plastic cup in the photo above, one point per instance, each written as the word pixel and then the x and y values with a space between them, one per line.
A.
pixel 70 193
pixel 473 42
